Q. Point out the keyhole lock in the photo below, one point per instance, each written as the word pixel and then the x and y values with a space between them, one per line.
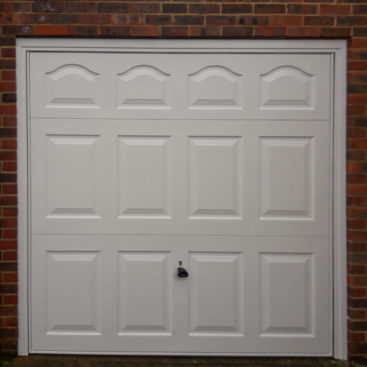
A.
pixel 182 272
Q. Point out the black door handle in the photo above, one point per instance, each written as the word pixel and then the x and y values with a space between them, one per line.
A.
pixel 182 272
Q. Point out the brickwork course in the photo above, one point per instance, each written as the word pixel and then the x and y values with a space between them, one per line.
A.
pixel 247 19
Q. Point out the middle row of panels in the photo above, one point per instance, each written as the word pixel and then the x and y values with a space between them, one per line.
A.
pixel 179 177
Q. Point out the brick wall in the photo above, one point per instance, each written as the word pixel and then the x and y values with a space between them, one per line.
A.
pixel 190 18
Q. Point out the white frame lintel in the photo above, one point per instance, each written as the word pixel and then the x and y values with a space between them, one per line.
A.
pixel 336 48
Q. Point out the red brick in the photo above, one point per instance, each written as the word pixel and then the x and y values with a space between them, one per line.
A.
pixel 358 42
pixel 8 18
pixel 285 20
pixel 8 52
pixel 174 8
pixel 270 32
pixel 357 292
pixel 8 110
pixel 50 30
pixel 80 7
pixel 237 8
pixel 203 8
pixel 189 20
pixel 46 6
pixel 301 9
pixel 359 9
pixel 357 337
pixel 113 7
pixel 253 20
pixel 7 64
pixel 129 19
pixel 357 269
pixel 10 299
pixel 356 178
pixel 303 31
pixel 7 87
pixel 270 8
pixel 360 31
pixel 158 19
pixel 237 31
pixel 9 98
pixel 6 244
pixel 328 9
pixel 357 314
pixel 9 322
pixel 8 144
pixel 145 7
pixel 336 32
pixel 350 20
pixel 115 30
pixel 319 21
pixel 174 31
pixel 10 256
pixel 145 31
pixel 220 20
pixel 9 189
pixel 95 19
pixel 83 30
pixel 9 234
pixel 9 167
pixel 197 31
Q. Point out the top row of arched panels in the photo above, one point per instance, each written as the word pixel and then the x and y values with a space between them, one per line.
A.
pixel 182 86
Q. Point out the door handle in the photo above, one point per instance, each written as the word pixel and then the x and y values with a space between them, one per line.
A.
pixel 182 272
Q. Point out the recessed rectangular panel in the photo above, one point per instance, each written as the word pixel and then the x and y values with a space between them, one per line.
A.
pixel 287 175
pixel 144 295
pixel 144 165
pixel 287 294
pixel 216 294
pixel 71 174
pixel 72 293
pixel 215 182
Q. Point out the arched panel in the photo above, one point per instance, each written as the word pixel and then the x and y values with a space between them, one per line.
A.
pixel 214 87
pixel 143 87
pixel 287 87
pixel 71 86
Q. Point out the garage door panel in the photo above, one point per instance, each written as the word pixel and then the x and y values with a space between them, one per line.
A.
pixel 216 86
pixel 291 87
pixel 73 294
pixel 145 299
pixel 145 176
pixel 144 87
pixel 294 301
pixel 288 291
pixel 287 169
pixel 141 163
pixel 216 293
pixel 290 179
pixel 69 168
pixel 130 177
pixel 215 188
pixel 72 86
pixel 71 182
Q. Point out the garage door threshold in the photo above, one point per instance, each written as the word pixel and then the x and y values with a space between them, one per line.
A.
pixel 110 361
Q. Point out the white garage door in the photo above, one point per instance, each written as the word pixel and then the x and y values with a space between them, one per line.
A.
pixel 216 163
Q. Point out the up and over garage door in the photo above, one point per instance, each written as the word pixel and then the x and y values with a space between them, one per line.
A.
pixel 180 202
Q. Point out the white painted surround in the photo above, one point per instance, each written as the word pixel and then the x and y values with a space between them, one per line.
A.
pixel 36 227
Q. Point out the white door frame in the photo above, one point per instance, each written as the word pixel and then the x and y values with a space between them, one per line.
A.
pixel 336 48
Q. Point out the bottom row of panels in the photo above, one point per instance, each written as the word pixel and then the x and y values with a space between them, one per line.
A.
pixel 123 294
